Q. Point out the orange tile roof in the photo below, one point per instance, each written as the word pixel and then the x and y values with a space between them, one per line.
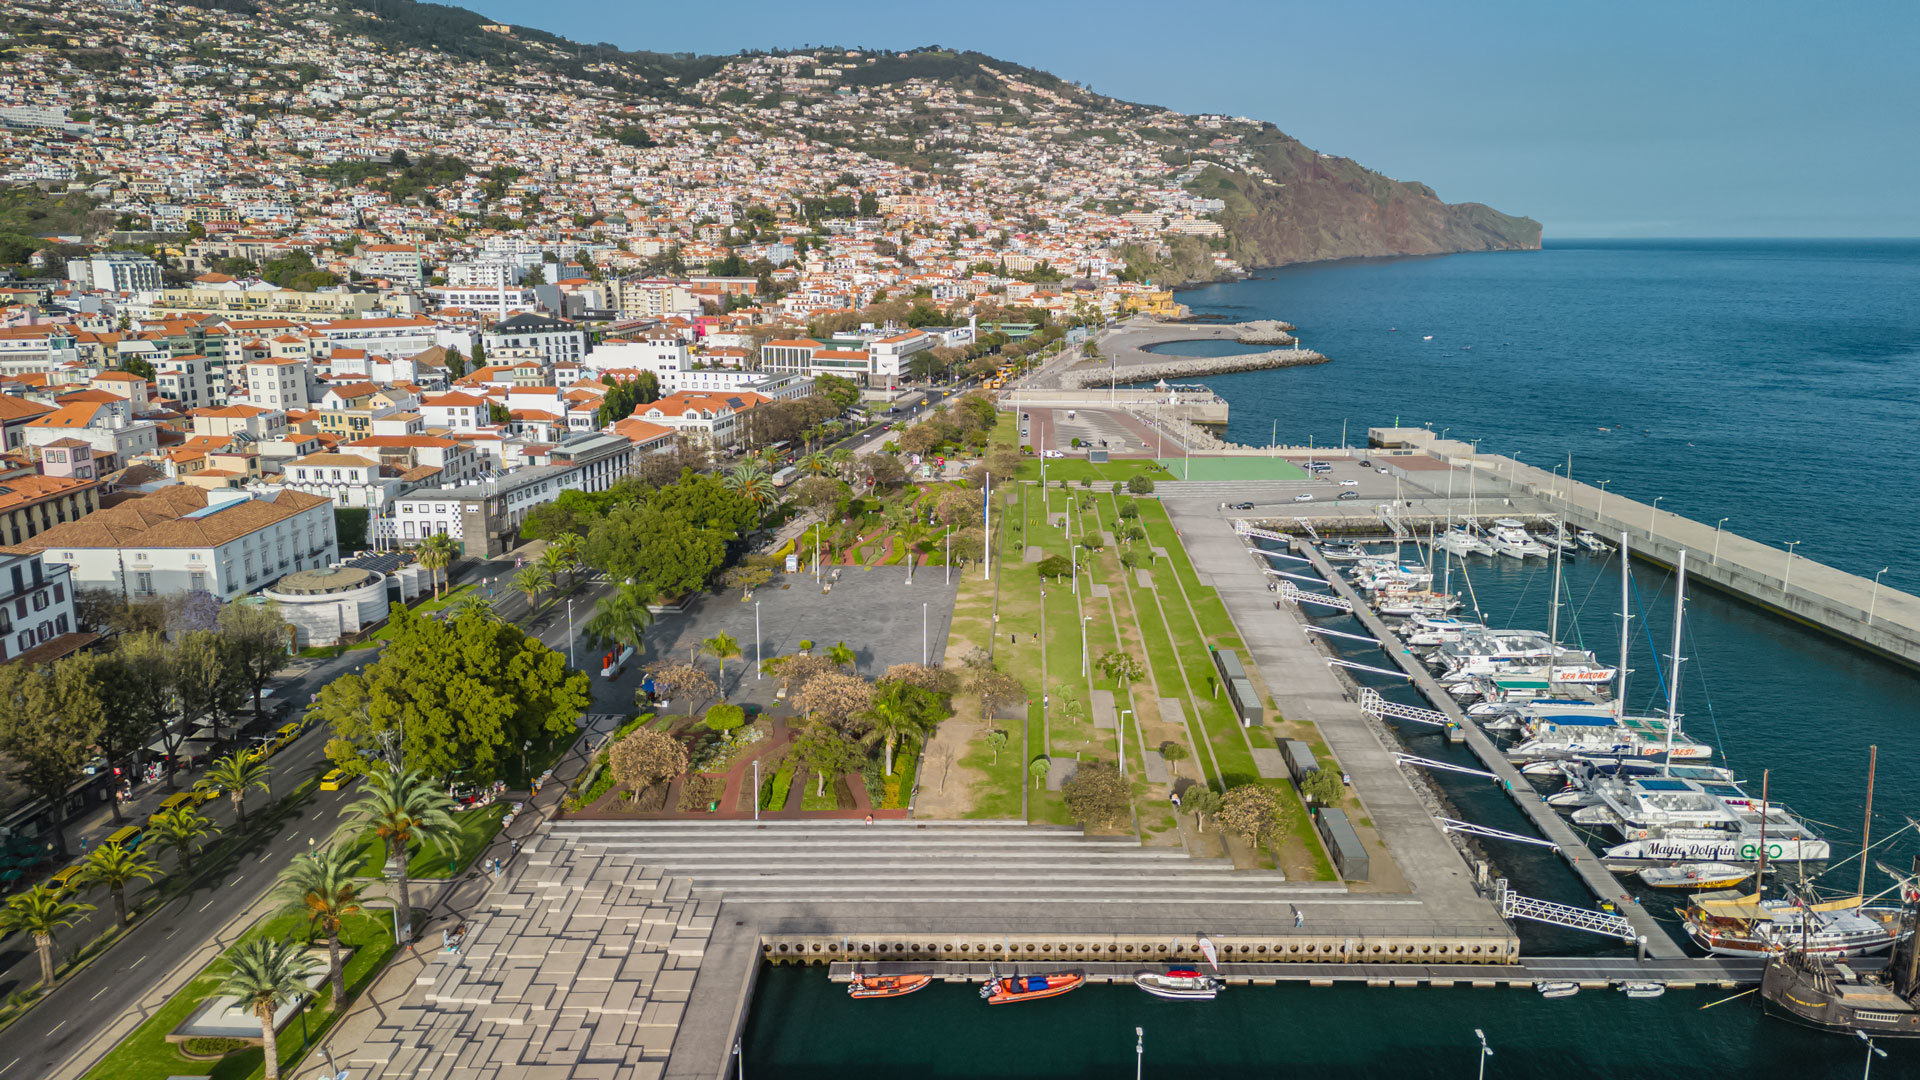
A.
pixel 158 521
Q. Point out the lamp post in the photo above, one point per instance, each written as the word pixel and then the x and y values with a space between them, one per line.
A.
pixel 569 631
pixel 923 635
pixel 1122 722
pixel 1786 579
pixel 1084 620
pixel 1865 1073
pixel 1555 485
pixel 757 661
pixel 1716 539
pixel 1485 1051
pixel 1602 508
pixel 1652 513
pixel 1140 1049
pixel 1876 594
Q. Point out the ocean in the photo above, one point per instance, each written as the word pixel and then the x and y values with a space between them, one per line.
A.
pixel 1770 382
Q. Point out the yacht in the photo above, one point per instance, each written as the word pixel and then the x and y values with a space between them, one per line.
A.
pixel 1437 629
pixel 1750 926
pixel 1461 542
pixel 1519 680
pixel 1411 602
pixel 1480 653
pixel 1509 537
pixel 1605 736
pixel 1588 540
pixel 1667 819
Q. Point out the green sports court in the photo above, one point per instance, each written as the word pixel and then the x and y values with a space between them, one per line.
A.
pixel 1233 468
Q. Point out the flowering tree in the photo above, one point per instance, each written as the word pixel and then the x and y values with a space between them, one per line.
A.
pixel 686 683
pixel 647 757
pixel 833 697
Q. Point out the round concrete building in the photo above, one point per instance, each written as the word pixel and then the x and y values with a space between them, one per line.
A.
pixel 330 604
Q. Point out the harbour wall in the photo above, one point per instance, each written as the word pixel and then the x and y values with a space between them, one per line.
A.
pixel 1186 367
pixel 1490 948
pixel 1881 619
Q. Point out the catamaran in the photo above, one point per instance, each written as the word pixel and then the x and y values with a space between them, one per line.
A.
pixel 1666 819
pixel 1459 541
pixel 1426 630
pixel 1568 735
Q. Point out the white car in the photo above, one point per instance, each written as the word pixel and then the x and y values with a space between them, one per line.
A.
pixel 1305 496
pixel 1382 470
pixel 1056 453
pixel 1349 483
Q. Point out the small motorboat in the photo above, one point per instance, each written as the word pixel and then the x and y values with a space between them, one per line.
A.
pixel 1180 984
pixel 1643 989
pixel 1706 875
pixel 1005 991
pixel 1557 989
pixel 886 986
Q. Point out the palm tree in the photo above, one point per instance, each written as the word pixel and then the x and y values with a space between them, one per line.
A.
pixel 437 553
pixel 816 464
pixel 39 912
pixel 472 602
pixel 842 654
pixel 897 714
pixel 181 829
pixel 116 868
pixel 402 807
pixel 533 581
pixel 722 647
pixel 750 481
pixel 571 547
pixel 912 534
pixel 322 883
pixel 842 459
pixel 621 619
pixel 263 974
pixel 234 774
pixel 554 564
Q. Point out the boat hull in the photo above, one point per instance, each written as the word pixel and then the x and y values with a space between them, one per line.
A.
pixel 1018 988
pixel 887 986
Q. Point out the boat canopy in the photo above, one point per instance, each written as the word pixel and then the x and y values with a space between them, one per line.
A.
pixel 1748 907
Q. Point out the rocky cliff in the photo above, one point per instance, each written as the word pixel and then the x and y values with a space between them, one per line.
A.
pixel 1314 206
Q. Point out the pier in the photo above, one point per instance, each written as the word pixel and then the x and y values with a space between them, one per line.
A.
pixel 1590 972
pixel 1882 619
pixel 1567 843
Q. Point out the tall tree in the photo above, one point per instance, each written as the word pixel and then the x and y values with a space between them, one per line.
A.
pixel 323 885
pixel 39 912
pixel 263 974
pixel 115 867
pixel 532 581
pixel 722 647
pixel 452 695
pixel 208 682
pixel 620 619
pixel 437 553
pixel 568 548
pixel 140 683
pixel 235 775
pixel 50 721
pixel 901 712
pixel 826 751
pixel 256 639
pixel 403 807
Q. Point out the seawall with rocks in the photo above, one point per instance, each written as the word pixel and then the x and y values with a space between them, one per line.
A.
pixel 1174 368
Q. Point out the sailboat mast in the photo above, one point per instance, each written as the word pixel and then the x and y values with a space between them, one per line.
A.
pixel 1866 823
pixel 1626 636
pixel 1760 878
pixel 1673 668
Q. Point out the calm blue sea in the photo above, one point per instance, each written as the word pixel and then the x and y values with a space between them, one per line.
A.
pixel 1771 382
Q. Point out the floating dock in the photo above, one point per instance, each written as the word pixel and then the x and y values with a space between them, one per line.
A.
pixel 1591 972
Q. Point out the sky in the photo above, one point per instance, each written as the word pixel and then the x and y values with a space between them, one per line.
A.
pixel 1616 119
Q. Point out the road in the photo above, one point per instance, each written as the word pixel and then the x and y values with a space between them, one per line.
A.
pixel 72 1017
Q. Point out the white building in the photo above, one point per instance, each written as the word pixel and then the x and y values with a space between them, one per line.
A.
pixel 181 538
pixel 499 302
pixel 115 271
pixel 558 340
pixel 36 604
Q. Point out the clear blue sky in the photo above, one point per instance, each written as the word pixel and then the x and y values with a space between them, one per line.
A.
pixel 1625 118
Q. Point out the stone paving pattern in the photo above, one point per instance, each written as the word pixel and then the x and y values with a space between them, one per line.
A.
pixel 576 966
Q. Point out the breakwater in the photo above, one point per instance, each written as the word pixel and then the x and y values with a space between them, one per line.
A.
pixel 1858 609
pixel 1184 367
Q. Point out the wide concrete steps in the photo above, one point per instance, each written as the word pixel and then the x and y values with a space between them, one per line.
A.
pixel 931 862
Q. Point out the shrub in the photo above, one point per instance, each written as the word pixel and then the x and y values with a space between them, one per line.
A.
pixel 1140 485
pixel 1086 482
pixel 805 644
pixel 724 718
pixel 646 757
pixel 1129 509
pixel 777 788
pixel 1097 796
pixel 1253 811
pixel 1054 566
pixel 1116 487
pixel 206 1047
pixel 699 791
pixel 1172 751
pixel 1324 786
pixel 1076 442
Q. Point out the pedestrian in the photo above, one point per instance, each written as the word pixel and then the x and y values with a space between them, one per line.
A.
pixel 1299 919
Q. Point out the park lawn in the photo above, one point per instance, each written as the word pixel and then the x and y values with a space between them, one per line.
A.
pixel 146 1055
pixel 477 830
pixel 1075 469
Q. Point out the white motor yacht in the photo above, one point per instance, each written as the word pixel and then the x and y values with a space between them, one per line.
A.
pixel 1509 537
pixel 1461 542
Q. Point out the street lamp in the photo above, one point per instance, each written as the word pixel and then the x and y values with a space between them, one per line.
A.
pixel 1603 499
pixel 1485 1051
pixel 1652 513
pixel 756 643
pixel 1121 721
pixel 1876 594
pixel 1140 1049
pixel 1555 485
pixel 923 636
pixel 569 631
pixel 1865 1073
pixel 1786 579
pixel 1716 539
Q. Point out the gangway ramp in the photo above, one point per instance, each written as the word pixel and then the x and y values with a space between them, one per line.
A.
pixel 1515 906
pixel 1295 594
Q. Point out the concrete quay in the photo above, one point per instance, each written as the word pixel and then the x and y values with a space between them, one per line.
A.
pixel 1882 619
pixel 1591 972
